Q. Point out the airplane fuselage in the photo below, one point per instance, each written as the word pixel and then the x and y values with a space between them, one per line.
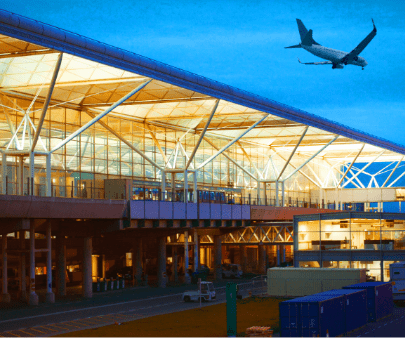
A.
pixel 333 55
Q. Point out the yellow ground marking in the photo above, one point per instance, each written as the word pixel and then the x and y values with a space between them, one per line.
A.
pixel 13 334
pixel 31 328
pixel 69 324
pixel 46 327
pixel 63 328
pixel 27 332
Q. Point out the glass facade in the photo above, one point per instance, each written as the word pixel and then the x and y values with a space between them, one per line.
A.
pixel 351 234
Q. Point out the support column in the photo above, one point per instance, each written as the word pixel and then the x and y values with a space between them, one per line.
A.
pixel 163 186
pixel 218 258
pixel 243 257
pixel 32 174
pixel 195 190
pixel 50 296
pixel 48 175
pixel 175 263
pixel 4 173
pixel 321 206
pixel 138 261
pixel 337 199
pixel 20 175
pixel 102 266
pixel 173 187
pixel 277 199
pixel 87 268
pixel 282 194
pixel 5 295
pixel 283 258
pixel 33 298
pixel 278 255
pixel 186 276
pixel 162 277
pixel 60 266
pixel 23 281
pixel 258 192
pixel 185 186
pixel 196 251
pixel 262 259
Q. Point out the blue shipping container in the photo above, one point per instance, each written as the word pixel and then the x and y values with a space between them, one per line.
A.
pixel 312 315
pixel 379 299
pixel 355 306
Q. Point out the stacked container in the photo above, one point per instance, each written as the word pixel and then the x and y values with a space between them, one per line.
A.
pixel 298 282
pixel 355 307
pixel 312 315
pixel 379 299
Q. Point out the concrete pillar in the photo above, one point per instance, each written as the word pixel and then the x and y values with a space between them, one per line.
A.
pixel 48 176
pixel 102 266
pixel 163 186
pixel 278 255
pixel 218 257
pixel 262 259
pixel 258 192
pixel 175 264
pixel 187 277
pixel 3 173
pixel 276 192
pixel 33 298
pixel 185 186
pixel 382 270
pixel 60 266
pixel 22 268
pixel 195 187
pixel 320 198
pixel 50 296
pixel 162 277
pixel 282 194
pixel 196 251
pixel 87 268
pixel 137 264
pixel 243 257
pixel 283 253
pixel 5 295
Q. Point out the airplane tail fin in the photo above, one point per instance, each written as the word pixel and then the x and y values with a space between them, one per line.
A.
pixel 306 36
pixel 301 28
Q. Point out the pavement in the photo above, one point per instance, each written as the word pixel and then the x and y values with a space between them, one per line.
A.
pixel 111 307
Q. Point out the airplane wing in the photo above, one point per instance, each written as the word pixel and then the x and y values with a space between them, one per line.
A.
pixel 316 63
pixel 355 52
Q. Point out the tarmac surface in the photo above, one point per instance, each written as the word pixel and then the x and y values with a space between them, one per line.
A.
pixel 113 307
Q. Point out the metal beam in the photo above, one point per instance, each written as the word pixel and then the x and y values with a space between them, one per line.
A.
pixel 47 100
pixel 232 142
pixel 314 155
pixel 230 159
pixel 396 179
pixel 250 160
pixel 112 131
pixel 351 164
pixel 392 172
pixel 202 134
pixel 157 143
pixel 364 168
pixel 292 153
pixel 98 117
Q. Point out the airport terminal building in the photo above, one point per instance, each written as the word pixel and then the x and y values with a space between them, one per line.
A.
pixel 111 160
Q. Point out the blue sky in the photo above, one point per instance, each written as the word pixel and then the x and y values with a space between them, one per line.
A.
pixel 241 43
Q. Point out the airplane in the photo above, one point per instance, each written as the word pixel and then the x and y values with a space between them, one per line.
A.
pixel 336 58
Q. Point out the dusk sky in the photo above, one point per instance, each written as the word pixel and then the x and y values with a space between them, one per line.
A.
pixel 242 44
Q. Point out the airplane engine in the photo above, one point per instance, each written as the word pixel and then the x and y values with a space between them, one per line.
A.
pixel 340 66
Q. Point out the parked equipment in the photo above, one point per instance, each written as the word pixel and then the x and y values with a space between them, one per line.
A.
pixel 397 273
pixel 207 293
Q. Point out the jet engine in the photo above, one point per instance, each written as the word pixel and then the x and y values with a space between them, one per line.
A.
pixel 338 66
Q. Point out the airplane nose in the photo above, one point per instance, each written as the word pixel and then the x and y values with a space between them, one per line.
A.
pixel 365 63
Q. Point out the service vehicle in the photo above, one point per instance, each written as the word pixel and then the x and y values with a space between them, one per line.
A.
pixel 207 293
pixel 397 273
